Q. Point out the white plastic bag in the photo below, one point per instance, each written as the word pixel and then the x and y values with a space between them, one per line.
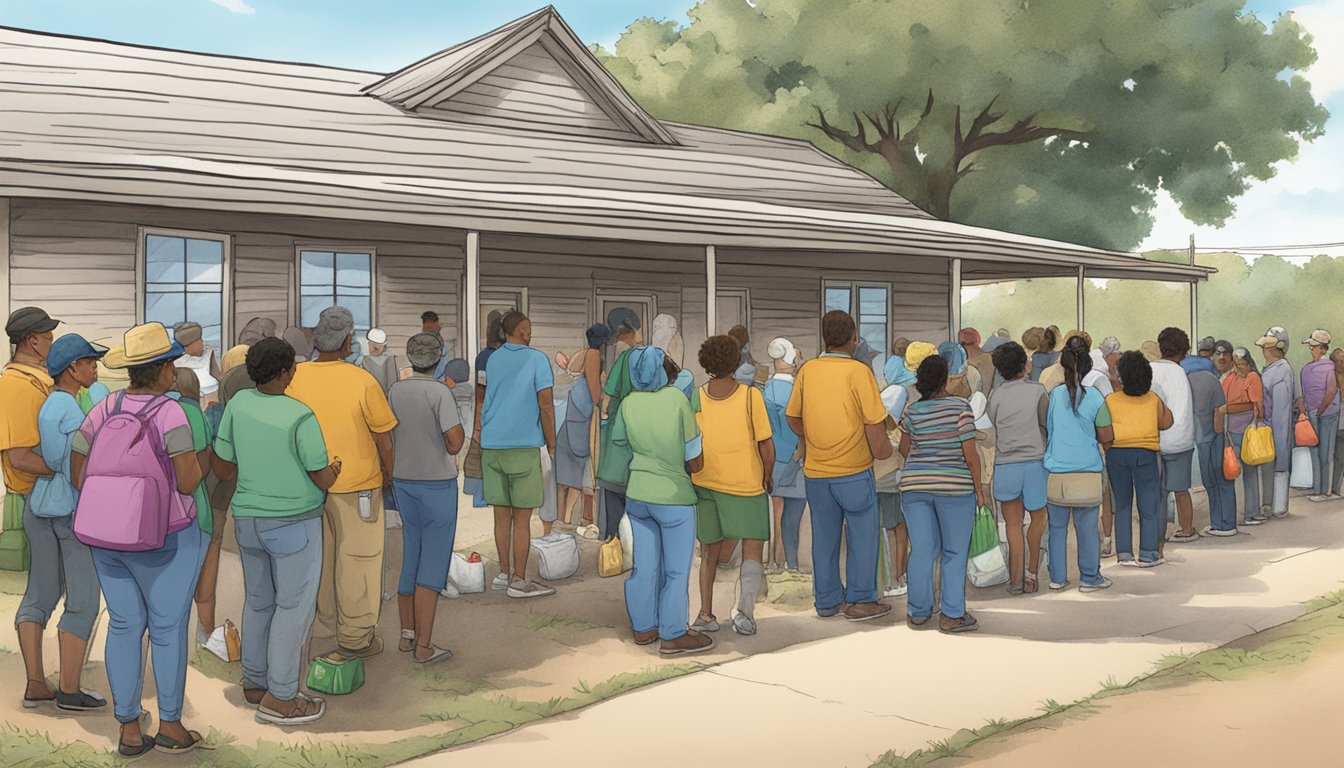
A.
pixel 467 577
pixel 989 569
pixel 549 505
pixel 557 555
pixel 1302 476
pixel 627 536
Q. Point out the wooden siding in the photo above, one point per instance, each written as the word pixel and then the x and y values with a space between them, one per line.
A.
pixel 4 274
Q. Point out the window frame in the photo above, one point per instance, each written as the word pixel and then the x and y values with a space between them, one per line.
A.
pixel 854 286
pixel 296 294
pixel 143 233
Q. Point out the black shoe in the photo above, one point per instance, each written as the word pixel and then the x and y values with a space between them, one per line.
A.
pixel 80 701
pixel 146 744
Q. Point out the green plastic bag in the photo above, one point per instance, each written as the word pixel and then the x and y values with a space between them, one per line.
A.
pixel 985 533
pixel 335 675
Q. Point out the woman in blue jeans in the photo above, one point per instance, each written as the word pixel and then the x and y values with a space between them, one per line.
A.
pixel 940 487
pixel 1138 417
pixel 149 589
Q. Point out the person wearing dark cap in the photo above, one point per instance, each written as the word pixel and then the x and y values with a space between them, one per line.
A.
pixel 61 564
pixel 574 443
pixel 1222 358
pixel 257 328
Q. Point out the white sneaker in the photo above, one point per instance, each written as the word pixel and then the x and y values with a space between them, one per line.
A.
pixel 897 591
pixel 1057 585
pixel 500 583
pixel 524 589
pixel 450 592
pixel 1317 497
pixel 589 532
pixel 1105 584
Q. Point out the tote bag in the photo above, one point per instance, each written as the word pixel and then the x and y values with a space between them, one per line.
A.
pixel 1257 445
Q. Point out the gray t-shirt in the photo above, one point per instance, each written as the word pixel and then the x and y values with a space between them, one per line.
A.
pixel 425 410
pixel 1206 396
pixel 1018 411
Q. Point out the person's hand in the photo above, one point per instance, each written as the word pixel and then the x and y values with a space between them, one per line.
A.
pixel 336 466
pixel 982 498
pixel 769 483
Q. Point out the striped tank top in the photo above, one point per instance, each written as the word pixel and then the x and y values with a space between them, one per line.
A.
pixel 937 429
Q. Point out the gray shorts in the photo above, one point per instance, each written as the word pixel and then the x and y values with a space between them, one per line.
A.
pixel 890 506
pixel 1176 471
pixel 62 566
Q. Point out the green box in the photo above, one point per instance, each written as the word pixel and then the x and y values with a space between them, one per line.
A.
pixel 14 554
pixel 336 675
pixel 13 517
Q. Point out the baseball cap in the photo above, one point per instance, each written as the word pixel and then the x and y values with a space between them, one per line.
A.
pixel 68 349
pixel 1207 344
pixel 25 321
pixel 782 349
pixel 1275 337
pixel 1222 347
pixel 1319 338
pixel 376 336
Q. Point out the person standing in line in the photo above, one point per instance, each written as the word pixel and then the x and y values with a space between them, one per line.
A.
pixel 1319 400
pixel 613 461
pixel 356 423
pixel 429 323
pixel 1337 358
pixel 472 484
pixel 977 358
pixel 1138 417
pixel 382 366
pixel 939 492
pixel 1209 406
pixel 1110 349
pixel 895 365
pixel 1000 337
pixel 887 472
pixel 1079 431
pixel 1203 360
pixel 1245 395
pixel 517 420
pixel 1041 345
pixel 428 435
pixel 656 423
pixel 574 442
pixel 788 489
pixel 61 564
pixel 1018 409
pixel 732 487
pixel 199 359
pixel 255 330
pixel 836 410
pixel 1280 387
pixel 145 589
pixel 187 394
pixel 1222 359
pixel 666 337
pixel 1172 385
pixel 272 446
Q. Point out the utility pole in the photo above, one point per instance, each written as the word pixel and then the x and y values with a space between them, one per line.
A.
pixel 1194 299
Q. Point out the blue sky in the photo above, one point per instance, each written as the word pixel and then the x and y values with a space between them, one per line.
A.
pixel 1303 204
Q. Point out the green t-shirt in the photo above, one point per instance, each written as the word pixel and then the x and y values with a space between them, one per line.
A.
pixel 614 459
pixel 659 429
pixel 200 440
pixel 276 442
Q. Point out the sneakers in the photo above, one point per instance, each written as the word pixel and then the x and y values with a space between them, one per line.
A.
pixel 1317 497
pixel 902 587
pixel 1211 531
pixel 1105 584
pixel 1128 562
pixel 1190 535
pixel 500 583
pixel 867 611
pixel 79 701
pixel 702 624
pixel 1150 563
pixel 1058 585
pixel 1107 546
pixel 743 624
pixel 966 623
pixel 407 642
pixel 300 710
pixel 826 613
pixel 691 642
pixel 1254 520
pixel 589 532
pixel 253 696
pixel 449 591
pixel 521 589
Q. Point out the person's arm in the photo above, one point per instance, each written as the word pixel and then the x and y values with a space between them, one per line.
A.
pixel 592 374
pixel 476 414
pixel 223 468
pixel 1331 389
pixel 766 448
pixel 905 444
pixel 1165 418
pixel 77 463
pixel 1219 414
pixel 878 443
pixel 204 456
pixel 796 424
pixel 187 467
pixel 326 477
pixel 383 441
pixel 27 460
pixel 1105 436
pixel 454 438
pixel 546 402
pixel 972 457
pixel 1043 415
pixel 215 372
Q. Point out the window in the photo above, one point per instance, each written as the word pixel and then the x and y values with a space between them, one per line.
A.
pixel 184 276
pixel 327 278
pixel 870 306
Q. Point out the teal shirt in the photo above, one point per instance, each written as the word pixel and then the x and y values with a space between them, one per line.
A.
pixel 275 441
pixel 659 430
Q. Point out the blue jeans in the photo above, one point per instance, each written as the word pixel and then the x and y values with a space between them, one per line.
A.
pixel 1222 492
pixel 940 529
pixel 150 590
pixel 1088 534
pixel 657 592
pixel 1135 480
pixel 282 566
pixel 1250 481
pixel 428 511
pixel 791 524
pixel 848 505
pixel 1323 455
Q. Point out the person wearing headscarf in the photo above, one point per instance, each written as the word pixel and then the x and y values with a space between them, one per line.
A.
pixel 963 379
pixel 382 366
pixel 257 328
pixel 1245 393
pixel 655 424
pixel 788 493
pixel 613 460
pixel 895 365
pixel 977 357
pixel 574 443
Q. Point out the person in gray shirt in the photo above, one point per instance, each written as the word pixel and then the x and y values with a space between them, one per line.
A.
pixel 1018 408
pixel 1209 402
pixel 428 435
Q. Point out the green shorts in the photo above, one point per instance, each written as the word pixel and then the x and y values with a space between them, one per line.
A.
pixel 512 477
pixel 720 516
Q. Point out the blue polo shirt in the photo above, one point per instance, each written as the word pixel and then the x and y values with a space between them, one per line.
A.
pixel 510 415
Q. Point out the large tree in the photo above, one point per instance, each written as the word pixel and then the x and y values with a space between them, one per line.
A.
pixel 1061 118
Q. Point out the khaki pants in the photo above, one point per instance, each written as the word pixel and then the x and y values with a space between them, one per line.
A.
pixel 984 445
pixel 350 592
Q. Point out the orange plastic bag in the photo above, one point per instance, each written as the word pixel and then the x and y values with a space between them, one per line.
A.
pixel 1305 435
pixel 1231 464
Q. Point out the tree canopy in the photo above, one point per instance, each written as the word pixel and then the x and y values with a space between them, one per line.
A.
pixel 1057 118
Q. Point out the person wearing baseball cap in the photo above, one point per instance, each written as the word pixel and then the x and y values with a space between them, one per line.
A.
pixel 788 494
pixel 1280 387
pixel 384 367
pixel 1319 400
pixel 1203 360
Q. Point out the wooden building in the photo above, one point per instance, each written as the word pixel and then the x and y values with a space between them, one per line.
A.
pixel 512 170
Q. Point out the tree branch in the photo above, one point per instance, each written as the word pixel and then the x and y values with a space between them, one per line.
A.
pixel 856 142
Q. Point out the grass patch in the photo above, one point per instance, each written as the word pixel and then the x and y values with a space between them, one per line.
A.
pixel 790 591
pixel 1325 601
pixel 28 749
pixel 212 666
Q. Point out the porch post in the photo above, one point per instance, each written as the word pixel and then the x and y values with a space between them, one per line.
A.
pixel 1082 313
pixel 472 297
pixel 711 291
pixel 954 300
pixel 1194 299
pixel 4 273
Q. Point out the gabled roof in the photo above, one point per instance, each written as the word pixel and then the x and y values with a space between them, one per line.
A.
pixel 438 78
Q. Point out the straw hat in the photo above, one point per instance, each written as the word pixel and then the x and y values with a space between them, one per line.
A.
pixel 144 344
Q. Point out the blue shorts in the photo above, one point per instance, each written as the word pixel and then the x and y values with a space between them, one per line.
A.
pixel 1025 480
pixel 1177 471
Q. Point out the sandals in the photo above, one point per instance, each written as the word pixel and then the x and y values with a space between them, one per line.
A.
pixel 439 654
pixel 706 624
pixel 407 642
pixel 1030 585
pixel 310 710
pixel 171 746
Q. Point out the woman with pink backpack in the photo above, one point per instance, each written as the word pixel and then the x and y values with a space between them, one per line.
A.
pixel 134 465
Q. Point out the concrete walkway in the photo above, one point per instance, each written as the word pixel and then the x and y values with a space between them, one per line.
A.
pixel 846 701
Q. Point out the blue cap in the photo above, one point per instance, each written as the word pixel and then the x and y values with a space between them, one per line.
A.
pixel 68 349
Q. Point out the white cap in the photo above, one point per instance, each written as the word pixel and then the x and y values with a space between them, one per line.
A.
pixel 782 349
pixel 376 336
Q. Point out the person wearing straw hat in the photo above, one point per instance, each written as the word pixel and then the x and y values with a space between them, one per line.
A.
pixel 147 589
pixel 1319 400
pixel 1280 389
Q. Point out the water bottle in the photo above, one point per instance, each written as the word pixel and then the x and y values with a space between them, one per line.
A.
pixel 366 506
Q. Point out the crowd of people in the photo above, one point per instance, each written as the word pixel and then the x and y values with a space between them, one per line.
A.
pixel 129 462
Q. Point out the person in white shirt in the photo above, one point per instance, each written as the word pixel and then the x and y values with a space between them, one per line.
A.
pixel 199 358
pixel 1172 384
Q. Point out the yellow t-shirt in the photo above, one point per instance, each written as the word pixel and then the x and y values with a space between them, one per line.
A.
pixel 1134 420
pixel 731 428
pixel 836 396
pixel 350 406
pixel 23 389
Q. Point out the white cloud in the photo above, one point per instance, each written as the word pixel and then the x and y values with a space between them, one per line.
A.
pixel 235 6
pixel 1325 22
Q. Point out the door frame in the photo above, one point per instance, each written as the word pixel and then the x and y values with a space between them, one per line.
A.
pixel 742 293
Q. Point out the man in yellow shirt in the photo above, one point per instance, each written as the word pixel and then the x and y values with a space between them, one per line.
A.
pixel 356 423
pixel 837 411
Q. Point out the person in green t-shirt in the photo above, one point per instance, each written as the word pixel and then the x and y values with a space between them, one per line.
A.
pixel 613 461
pixel 656 426
pixel 274 447
pixel 188 395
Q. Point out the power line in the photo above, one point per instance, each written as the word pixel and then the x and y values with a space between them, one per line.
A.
pixel 1299 247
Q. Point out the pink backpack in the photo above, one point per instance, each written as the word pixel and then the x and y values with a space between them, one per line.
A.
pixel 127 499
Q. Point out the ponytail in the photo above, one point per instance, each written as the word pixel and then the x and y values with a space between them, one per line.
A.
pixel 1077 363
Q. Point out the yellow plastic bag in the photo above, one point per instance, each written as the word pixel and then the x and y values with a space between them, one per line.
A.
pixel 611 558
pixel 1257 445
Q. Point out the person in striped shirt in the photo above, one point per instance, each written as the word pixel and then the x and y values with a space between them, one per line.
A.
pixel 940 487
